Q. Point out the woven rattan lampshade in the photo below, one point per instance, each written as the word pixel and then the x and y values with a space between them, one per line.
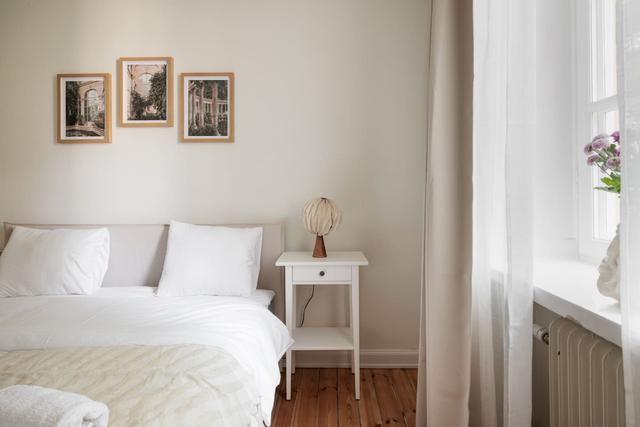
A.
pixel 321 216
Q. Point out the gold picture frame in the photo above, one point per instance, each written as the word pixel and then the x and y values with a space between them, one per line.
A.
pixel 143 101
pixel 83 112
pixel 207 107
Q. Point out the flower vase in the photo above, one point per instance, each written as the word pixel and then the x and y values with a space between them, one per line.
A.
pixel 609 280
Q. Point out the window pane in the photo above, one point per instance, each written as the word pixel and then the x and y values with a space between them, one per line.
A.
pixel 603 49
pixel 606 206
pixel 611 122
pixel 606 210
pixel 609 34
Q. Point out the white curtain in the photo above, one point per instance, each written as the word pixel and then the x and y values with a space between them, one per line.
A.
pixel 504 134
pixel 629 92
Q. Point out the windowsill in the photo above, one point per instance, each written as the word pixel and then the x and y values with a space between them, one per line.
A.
pixel 568 288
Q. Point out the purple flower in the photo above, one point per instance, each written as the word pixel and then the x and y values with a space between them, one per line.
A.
pixel 600 143
pixel 588 149
pixel 592 159
pixel 616 151
pixel 613 163
pixel 600 136
pixel 616 136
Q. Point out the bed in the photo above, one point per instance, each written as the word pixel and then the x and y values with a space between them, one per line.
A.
pixel 152 360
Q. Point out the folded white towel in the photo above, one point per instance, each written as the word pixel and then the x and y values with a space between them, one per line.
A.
pixel 31 406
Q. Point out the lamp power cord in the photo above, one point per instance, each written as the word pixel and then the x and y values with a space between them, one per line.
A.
pixel 304 310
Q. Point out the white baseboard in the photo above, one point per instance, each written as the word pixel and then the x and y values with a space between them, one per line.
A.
pixel 368 359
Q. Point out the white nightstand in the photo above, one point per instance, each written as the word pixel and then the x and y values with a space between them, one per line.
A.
pixel 338 268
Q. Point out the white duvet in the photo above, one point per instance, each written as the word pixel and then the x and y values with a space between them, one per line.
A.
pixel 135 316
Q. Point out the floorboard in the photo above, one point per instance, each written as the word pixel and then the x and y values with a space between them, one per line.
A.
pixel 328 398
pixel 413 376
pixel 325 397
pixel 406 394
pixel 305 412
pixel 368 403
pixel 348 412
pixel 390 409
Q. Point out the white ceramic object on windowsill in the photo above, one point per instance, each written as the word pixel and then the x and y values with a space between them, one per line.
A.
pixel 609 280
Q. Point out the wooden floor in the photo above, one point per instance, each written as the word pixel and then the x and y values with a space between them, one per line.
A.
pixel 324 397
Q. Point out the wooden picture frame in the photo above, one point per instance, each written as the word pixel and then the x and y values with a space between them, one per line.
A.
pixel 83 108
pixel 142 100
pixel 207 107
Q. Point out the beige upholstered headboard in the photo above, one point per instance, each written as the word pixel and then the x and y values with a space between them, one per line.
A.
pixel 137 255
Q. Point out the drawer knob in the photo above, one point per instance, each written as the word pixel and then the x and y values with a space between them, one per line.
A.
pixel 322 273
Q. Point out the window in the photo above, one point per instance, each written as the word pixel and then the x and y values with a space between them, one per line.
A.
pixel 596 112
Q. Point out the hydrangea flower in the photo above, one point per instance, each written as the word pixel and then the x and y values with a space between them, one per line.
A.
pixel 604 153
pixel 600 143
pixel 616 136
pixel 602 136
pixel 591 160
pixel 613 162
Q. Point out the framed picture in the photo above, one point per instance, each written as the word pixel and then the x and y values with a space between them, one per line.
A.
pixel 83 108
pixel 145 90
pixel 206 107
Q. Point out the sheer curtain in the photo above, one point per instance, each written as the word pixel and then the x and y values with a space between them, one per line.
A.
pixel 629 90
pixel 504 134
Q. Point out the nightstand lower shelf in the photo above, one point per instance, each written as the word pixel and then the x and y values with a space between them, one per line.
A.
pixel 322 339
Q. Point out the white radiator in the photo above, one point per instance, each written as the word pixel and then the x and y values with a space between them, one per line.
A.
pixel 585 378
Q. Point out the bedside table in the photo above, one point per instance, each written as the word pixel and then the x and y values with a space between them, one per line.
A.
pixel 338 268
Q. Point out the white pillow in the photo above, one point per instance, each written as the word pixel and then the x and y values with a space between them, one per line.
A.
pixel 54 262
pixel 205 260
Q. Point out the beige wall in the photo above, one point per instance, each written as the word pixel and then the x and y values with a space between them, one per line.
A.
pixel 330 101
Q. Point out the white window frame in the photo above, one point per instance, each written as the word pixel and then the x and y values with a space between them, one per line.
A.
pixel 590 248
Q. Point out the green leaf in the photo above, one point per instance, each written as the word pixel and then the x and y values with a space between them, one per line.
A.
pixel 608 189
pixel 609 182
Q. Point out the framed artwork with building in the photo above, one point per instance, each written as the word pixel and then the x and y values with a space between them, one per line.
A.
pixel 145 92
pixel 206 107
pixel 83 108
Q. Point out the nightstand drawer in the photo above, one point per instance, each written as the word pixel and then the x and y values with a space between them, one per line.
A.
pixel 319 274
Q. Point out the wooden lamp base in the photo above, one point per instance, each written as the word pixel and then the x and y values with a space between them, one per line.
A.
pixel 319 250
